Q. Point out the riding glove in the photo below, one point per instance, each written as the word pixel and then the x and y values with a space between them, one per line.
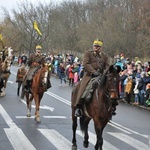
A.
pixel 95 74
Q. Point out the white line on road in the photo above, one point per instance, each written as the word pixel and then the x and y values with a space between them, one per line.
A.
pixel 15 135
pixel 119 128
pixel 60 142
pixel 41 107
pixel 58 117
pixel 59 98
pixel 25 117
pixel 129 140
pixel 116 124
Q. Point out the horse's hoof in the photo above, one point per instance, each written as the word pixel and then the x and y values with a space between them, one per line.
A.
pixel 86 144
pixel 28 115
pixel 74 147
pixel 37 119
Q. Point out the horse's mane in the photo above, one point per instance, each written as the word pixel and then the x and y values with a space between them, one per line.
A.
pixel 103 79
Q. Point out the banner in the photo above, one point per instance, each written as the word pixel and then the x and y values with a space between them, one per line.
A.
pixel 35 26
pixel 1 37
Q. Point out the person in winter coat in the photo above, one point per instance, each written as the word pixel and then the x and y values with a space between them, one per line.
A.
pixel 95 62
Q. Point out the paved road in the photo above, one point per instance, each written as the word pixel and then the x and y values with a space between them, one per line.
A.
pixel 129 129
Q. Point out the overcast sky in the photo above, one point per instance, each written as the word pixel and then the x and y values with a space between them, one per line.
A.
pixel 12 4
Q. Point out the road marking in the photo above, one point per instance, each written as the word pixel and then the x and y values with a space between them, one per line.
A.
pixel 129 140
pixel 15 135
pixel 18 140
pixel 25 117
pixel 60 142
pixel 116 124
pixel 58 117
pixel 10 81
pixel 59 98
pixel 41 107
pixel 92 139
pixel 119 128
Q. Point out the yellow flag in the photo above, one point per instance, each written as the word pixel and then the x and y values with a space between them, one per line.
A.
pixel 1 37
pixel 35 26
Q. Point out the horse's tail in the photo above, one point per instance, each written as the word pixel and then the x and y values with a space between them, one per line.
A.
pixel 83 125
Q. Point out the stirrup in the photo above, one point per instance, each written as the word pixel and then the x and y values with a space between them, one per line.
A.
pixel 88 97
pixel 78 112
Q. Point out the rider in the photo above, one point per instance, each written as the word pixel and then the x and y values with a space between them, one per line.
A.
pixel 95 62
pixel 20 76
pixel 35 61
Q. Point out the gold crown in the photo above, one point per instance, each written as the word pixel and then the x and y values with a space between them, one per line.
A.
pixel 97 43
pixel 38 47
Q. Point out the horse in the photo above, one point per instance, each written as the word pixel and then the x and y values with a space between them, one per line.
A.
pixel 40 84
pixel 5 73
pixel 99 108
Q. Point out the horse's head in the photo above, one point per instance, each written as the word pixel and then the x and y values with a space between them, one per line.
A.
pixel 110 82
pixel 45 72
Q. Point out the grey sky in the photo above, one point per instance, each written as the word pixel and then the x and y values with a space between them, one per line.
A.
pixel 12 4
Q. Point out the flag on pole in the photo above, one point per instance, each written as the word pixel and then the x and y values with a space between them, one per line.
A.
pixel 35 26
pixel 1 37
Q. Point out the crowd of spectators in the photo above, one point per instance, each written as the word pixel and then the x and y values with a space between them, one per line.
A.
pixel 134 80
pixel 134 84
pixel 134 76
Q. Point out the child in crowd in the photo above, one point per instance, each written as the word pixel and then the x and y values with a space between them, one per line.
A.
pixel 136 92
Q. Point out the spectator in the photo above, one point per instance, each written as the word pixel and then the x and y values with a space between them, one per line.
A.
pixel 128 87
pixel 141 88
pixel 23 59
pixel 62 75
pixel 71 75
pixel 123 76
pixel 136 92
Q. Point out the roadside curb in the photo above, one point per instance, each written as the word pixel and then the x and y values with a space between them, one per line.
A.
pixel 140 106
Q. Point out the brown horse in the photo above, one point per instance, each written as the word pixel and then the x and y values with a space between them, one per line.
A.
pixel 5 72
pixel 99 109
pixel 40 84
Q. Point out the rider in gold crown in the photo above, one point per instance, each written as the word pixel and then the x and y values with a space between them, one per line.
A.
pixel 95 62
pixel 35 61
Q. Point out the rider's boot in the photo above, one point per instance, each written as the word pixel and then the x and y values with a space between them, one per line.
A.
pixel 114 110
pixel 78 111
pixel 18 91
pixel 88 96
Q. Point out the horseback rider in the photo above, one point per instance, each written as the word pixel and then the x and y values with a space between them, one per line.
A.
pixel 20 76
pixel 95 62
pixel 35 61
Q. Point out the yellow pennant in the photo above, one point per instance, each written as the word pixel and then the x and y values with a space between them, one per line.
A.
pixel 1 37
pixel 35 26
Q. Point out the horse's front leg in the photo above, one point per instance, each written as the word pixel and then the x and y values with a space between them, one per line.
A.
pixel 37 99
pixel 74 127
pixel 86 135
pixel 29 104
pixel 99 142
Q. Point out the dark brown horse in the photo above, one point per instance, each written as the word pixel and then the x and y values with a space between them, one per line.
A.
pixel 39 85
pixel 99 109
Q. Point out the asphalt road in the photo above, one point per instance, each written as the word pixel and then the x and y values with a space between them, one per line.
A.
pixel 129 129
